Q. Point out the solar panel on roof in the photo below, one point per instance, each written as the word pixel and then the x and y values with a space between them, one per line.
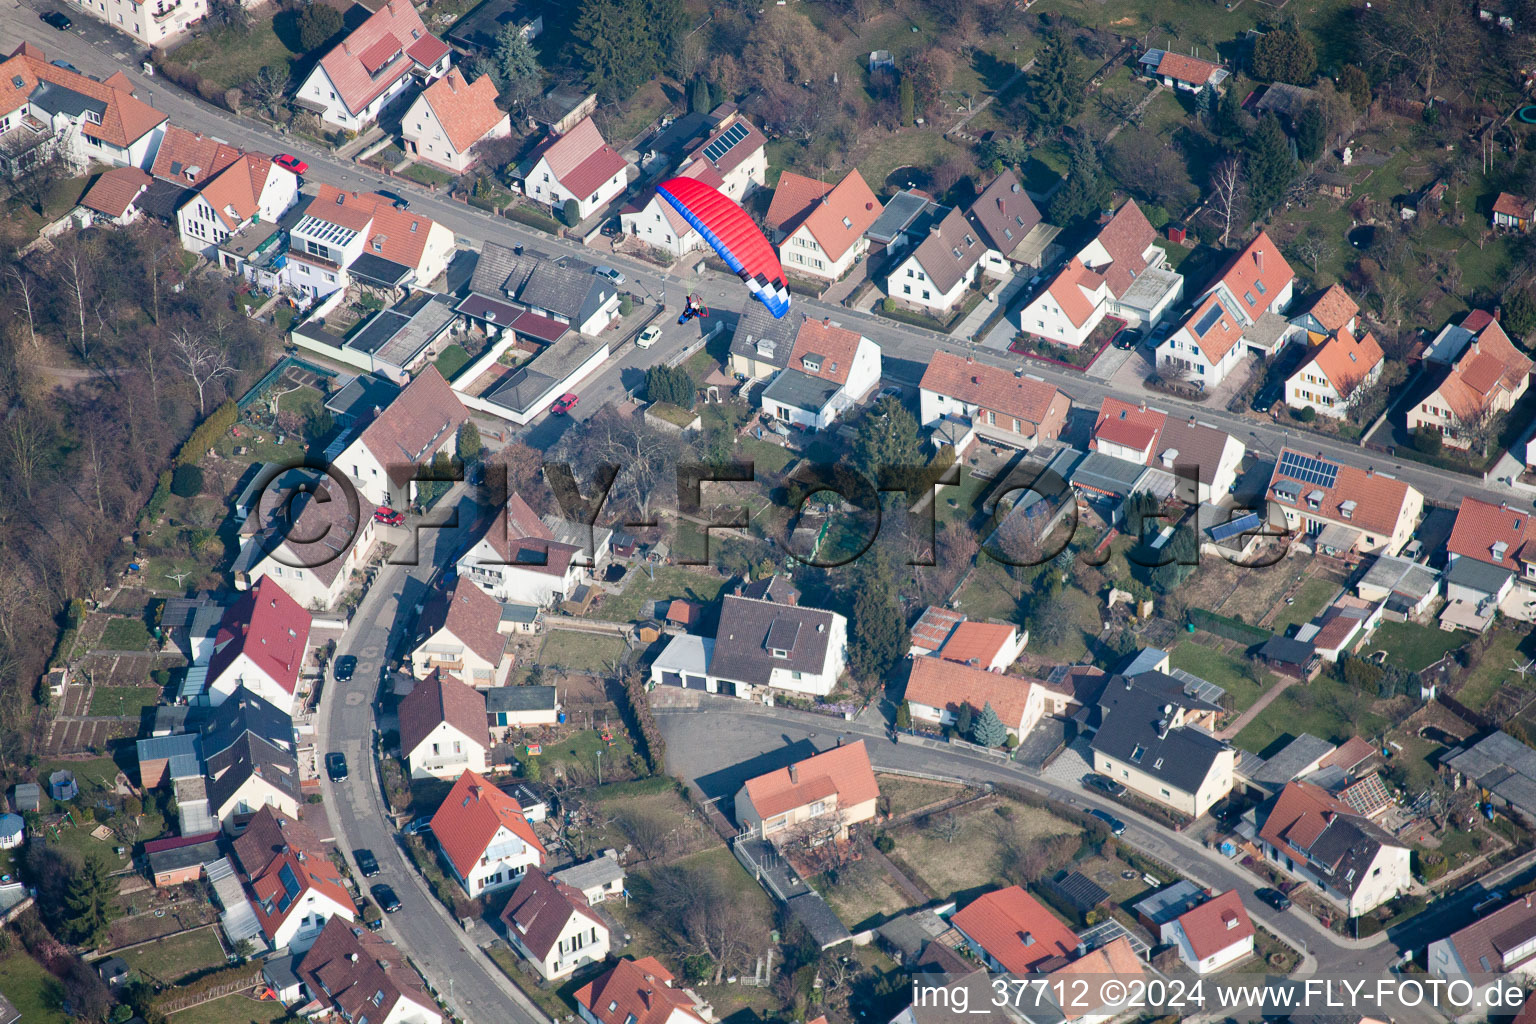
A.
pixel 1309 470
pixel 291 887
pixel 1235 527
pixel 727 141
pixel 1211 316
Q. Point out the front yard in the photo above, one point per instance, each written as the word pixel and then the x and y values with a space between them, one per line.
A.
pixel 970 861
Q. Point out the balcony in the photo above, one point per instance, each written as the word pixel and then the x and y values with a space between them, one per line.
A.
pixel 164 11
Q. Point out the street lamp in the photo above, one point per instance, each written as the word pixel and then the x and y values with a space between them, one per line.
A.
pixel 599 767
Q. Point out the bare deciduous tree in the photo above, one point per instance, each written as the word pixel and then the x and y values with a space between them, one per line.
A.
pixel 74 268
pixel 24 441
pixel 1228 193
pixel 947 827
pixel 650 834
pixel 22 287
pixel 201 361
pixel 1313 249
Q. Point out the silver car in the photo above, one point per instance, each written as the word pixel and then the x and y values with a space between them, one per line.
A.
pixel 609 273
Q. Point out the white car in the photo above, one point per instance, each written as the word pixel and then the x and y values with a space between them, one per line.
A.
pixel 648 337
pixel 609 273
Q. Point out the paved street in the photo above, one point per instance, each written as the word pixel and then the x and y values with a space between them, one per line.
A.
pixel 446 955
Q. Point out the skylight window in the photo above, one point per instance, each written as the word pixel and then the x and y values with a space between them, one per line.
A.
pixel 1138 754
pixel 1260 286
pixel 1248 297
pixel 847 223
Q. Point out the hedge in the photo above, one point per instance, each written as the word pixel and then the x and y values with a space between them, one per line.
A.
pixel 532 218
pixel 179 996
pixel 642 724
pixel 1231 629
pixel 218 423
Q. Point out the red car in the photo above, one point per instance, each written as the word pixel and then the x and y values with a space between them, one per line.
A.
pixel 564 404
pixel 388 516
pixel 289 162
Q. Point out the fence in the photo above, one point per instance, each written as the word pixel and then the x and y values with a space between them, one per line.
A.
pixel 203 995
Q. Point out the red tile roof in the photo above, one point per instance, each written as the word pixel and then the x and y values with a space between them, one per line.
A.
pixel 1345 360
pixel 733 157
pixel 1378 498
pixel 235 194
pixel 793 198
pixel 124 122
pixel 270 628
pixel 637 992
pixel 539 910
pixel 842 770
pixel 396 235
pixel 471 815
pixel 1115 959
pixel 1015 929
pixel 1480 525
pixel 471 615
pixel 1334 309
pixel 360 66
pixel 978 643
pixel 1515 206
pixel 421 421
pixel 442 697
pixel 946 686
pixel 836 216
pixel 1490 363
pixel 466 110
pixel 1224 330
pixel 274 846
pixel 1183 68
pixel 1256 275
pixel 1124 239
pixel 581 160
pixel 835 345
pixel 1216 924
pixel 115 190
pixel 992 388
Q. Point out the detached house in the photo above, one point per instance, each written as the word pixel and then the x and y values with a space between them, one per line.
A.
pixel 552 926
pixel 1513 213
pixel 819 228
pixel 1481 374
pixel 1499 543
pixel 384 460
pixel 295 889
pixel 484 836
pixel 311 542
pixel 262 642
pixel 1213 935
pixel 247 776
pixel 1210 341
pixel 347 236
pixel 1341 508
pixel 636 992
pixel 1147 741
pixel 451 117
pixel 731 158
pixel 761 342
pixel 937 690
pixel 1326 315
pixel 657 223
pixel 460 632
pixel 762 646
pixel 1319 839
pixel 1120 273
pixel 933 277
pixel 964 400
pixel 151 23
pixel 1334 374
pixel 1011 932
pixel 115 194
pixel 513 286
pixel 1181 71
pixel 1499 943
pixel 830 370
pixel 1189 449
pixel 350 974
pixel 251 189
pixel 577 165
pixel 443 728
pixel 46 110
pixel 1010 225
pixel 818 798
pixel 518 560
pixel 373 67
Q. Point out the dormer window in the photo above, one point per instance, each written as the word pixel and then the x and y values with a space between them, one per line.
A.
pixel 777 653
pixel 847 223
pixel 1499 549
pixel 1347 510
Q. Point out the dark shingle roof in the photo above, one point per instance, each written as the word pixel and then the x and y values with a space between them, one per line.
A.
pixel 1180 757
pixel 519 698
pixel 741 642
pixel 761 337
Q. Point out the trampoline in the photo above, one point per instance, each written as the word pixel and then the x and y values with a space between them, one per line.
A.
pixel 1526 114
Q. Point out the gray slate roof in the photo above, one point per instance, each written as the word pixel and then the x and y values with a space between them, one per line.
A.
pixel 567 288
pixel 1483 577
pixel 599 871
pixel 1170 902
pixel 250 755
pixel 1502 764
pixel 741 642
pixel 760 336
pixel 1291 760
pixel 519 698
pixel 800 391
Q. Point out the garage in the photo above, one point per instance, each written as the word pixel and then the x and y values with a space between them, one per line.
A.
pixel 725 687
pixel 695 683
pixel 671 679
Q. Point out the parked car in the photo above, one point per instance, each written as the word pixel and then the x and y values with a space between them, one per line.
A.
pixel 388 516
pixel 612 227
pixel 401 203
pixel 386 898
pixel 609 273
pixel 1128 339
pixel 421 826
pixel 1488 902
pixel 289 162
pixel 1274 897
pixel 1103 783
pixel 57 20
pixel 367 863
pixel 1116 826
pixel 336 766
pixel 648 337
pixel 346 665
pixel 564 404
pixel 66 65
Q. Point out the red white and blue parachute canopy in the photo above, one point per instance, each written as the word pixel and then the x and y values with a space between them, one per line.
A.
pixel 726 227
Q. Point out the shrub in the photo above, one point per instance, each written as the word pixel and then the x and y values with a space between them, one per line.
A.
pixel 884 843
pixel 187 481
pixel 1428 440
pixel 570 212
pixel 1307 414
pixel 317 24
pixel 210 430
pixel 626 304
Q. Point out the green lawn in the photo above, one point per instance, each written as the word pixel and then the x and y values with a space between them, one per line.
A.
pixel 962 502
pixel 453 359
pixel 910 147
pixel 125 635
pixel 581 652
pixel 1495 667
pixel 427 175
pixel 765 456
pixel 512 966
pixel 1312 598
pixel 1224 670
pixel 121 701
pixel 230 58
pixel 34 992
pixel 1325 707
pixel 672 581
pixel 1412 647
pixel 235 1009
pixel 991 593
pixel 173 958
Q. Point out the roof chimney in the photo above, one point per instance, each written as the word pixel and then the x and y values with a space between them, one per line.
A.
pixel 1258 257
pixel 794 774
pixel 1498 312
pixel 1143 405
pixel 352 957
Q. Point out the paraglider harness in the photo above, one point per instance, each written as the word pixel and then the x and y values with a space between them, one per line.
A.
pixel 693 306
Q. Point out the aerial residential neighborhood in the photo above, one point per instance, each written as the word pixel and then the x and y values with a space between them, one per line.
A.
pixel 676 512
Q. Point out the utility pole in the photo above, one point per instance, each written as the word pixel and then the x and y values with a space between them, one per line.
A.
pixel 599 767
